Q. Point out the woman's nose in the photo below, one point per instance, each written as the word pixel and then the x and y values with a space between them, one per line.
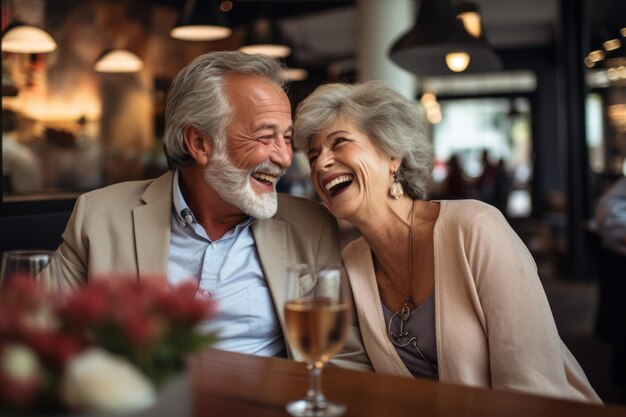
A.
pixel 324 161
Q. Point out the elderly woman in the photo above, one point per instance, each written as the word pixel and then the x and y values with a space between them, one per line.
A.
pixel 443 289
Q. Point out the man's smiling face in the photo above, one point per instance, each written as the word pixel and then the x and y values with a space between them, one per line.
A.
pixel 258 146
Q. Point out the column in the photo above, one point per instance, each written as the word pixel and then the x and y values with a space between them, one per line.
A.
pixel 573 34
pixel 379 25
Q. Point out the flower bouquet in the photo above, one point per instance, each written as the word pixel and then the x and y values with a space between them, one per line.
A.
pixel 107 347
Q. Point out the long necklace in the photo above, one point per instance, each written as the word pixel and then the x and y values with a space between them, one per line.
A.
pixel 405 311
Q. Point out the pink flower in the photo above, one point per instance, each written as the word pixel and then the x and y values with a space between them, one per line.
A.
pixel 142 330
pixel 145 321
pixel 87 306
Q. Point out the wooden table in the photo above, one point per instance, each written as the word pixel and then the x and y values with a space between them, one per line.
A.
pixel 232 384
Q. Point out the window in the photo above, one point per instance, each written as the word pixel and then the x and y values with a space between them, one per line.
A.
pixel 490 139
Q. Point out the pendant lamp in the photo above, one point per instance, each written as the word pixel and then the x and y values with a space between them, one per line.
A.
pixel 296 74
pixel 293 71
pixel 118 61
pixel 265 37
pixel 201 20
pixel 439 44
pixel 26 39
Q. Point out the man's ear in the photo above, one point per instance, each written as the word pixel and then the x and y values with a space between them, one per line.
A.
pixel 198 145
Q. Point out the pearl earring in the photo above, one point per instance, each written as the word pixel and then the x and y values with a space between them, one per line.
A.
pixel 396 190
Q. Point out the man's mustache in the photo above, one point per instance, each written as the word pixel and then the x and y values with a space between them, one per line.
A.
pixel 268 167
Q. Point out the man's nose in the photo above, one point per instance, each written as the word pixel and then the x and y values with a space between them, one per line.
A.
pixel 281 153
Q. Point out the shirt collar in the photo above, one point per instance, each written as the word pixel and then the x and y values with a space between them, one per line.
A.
pixel 183 213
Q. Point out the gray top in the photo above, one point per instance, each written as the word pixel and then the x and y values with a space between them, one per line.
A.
pixel 421 337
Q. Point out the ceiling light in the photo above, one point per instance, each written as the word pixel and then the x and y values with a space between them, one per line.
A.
pixel 277 51
pixel 457 61
pixel 471 22
pixel 292 70
pixel 27 39
pixel 264 37
pixel 611 44
pixel 609 50
pixel 118 61
pixel 201 20
pixel 226 6
pixel 432 108
pixel 428 98
pixel 468 12
pixel 596 55
pixel 296 74
pixel 436 34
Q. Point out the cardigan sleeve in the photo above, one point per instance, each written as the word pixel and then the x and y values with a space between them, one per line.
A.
pixel 525 350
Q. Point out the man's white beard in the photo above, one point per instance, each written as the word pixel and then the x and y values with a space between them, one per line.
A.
pixel 233 185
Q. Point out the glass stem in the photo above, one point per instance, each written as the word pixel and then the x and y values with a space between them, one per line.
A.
pixel 315 397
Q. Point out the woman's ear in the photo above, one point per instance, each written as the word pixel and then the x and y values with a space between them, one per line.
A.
pixel 395 164
pixel 198 145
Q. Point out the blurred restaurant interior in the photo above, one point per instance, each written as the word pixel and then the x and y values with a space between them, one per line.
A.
pixel 534 124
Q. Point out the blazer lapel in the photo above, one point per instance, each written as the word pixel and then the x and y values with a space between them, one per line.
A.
pixel 152 223
pixel 270 237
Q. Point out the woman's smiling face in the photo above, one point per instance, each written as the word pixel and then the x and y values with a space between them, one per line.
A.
pixel 347 169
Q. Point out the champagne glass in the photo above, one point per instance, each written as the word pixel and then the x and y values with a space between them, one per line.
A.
pixel 317 316
pixel 31 263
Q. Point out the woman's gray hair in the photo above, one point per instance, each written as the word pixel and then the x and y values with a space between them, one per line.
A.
pixel 197 98
pixel 393 122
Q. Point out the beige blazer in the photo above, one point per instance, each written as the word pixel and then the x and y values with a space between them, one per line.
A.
pixel 125 228
pixel 493 324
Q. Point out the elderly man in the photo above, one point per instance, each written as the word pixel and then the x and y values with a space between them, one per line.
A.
pixel 216 215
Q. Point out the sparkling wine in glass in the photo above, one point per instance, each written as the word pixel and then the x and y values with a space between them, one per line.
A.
pixel 317 315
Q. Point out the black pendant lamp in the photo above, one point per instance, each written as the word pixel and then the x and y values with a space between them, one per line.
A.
pixel 265 37
pixel 201 20
pixel 438 44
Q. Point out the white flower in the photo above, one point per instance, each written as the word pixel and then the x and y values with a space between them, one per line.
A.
pixel 96 380
pixel 20 364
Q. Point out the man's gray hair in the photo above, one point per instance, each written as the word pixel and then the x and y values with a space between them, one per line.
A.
pixel 197 98
pixel 393 122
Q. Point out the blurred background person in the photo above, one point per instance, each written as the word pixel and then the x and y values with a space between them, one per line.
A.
pixel 456 186
pixel 610 215
pixel 493 183
pixel 20 166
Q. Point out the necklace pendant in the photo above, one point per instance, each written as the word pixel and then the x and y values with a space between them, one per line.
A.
pixel 404 314
pixel 406 311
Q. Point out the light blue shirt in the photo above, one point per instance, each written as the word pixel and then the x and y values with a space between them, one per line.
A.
pixel 229 269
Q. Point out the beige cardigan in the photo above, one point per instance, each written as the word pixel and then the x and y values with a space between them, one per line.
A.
pixel 494 327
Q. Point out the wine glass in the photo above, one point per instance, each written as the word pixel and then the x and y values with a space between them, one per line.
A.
pixel 31 263
pixel 317 316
